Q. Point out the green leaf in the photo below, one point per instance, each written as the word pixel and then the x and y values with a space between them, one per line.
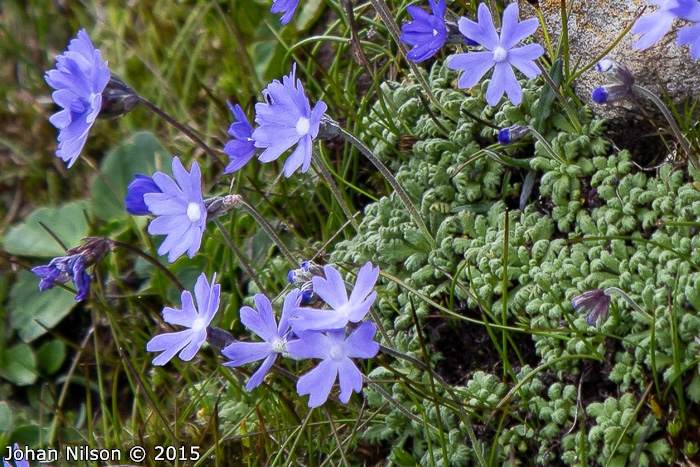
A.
pixel 29 307
pixel 5 417
pixel 141 153
pixel 29 238
pixel 18 365
pixel 50 357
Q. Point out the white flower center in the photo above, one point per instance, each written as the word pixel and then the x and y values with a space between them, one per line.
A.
pixel 434 32
pixel 500 54
pixel 337 352
pixel 278 346
pixel 193 212
pixel 303 126
pixel 198 324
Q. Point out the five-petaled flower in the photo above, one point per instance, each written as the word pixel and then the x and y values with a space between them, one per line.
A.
pixel 331 290
pixel 286 119
pixel 263 324
pixel 241 148
pixel 197 319
pixel 79 79
pixel 654 26
pixel 336 352
pixel 594 302
pixel 288 7
pixel 181 210
pixel 426 33
pixel 501 54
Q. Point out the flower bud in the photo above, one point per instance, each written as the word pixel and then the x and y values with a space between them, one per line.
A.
pixel 512 134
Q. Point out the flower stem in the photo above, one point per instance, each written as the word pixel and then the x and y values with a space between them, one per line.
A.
pixel 547 146
pixel 198 141
pixel 328 177
pixel 560 97
pixel 250 209
pixel 152 260
pixel 239 254
pixel 674 126
pixel 629 300
pixel 400 192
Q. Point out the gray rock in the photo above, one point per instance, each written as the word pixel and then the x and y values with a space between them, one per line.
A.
pixel 593 27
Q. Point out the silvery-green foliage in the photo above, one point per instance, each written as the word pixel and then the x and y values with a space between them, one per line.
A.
pixel 588 190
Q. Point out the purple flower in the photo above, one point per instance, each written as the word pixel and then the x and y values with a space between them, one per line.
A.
pixel 336 352
pixel 285 119
pixel 623 82
pixel 181 211
pixel 141 185
pixel 426 33
pixel 512 134
pixel 691 36
pixel 263 324
pixel 18 456
pixel 595 302
pixel 189 341
pixel 501 53
pixel 288 7
pixel 79 79
pixel 72 266
pixel 654 26
pixel 331 290
pixel 241 148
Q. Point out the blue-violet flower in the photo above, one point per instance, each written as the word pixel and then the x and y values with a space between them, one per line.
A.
pixel 133 201
pixel 79 79
pixel 180 207
pixel 288 7
pixel 263 324
pixel 426 33
pixel 691 36
pixel 512 134
pixel 654 26
pixel 197 319
pixel 336 352
pixel 16 455
pixel 286 119
pixel 241 148
pixel 331 290
pixel 594 302
pixel 501 53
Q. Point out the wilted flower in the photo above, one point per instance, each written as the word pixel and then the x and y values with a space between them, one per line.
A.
pixel 303 278
pixel 181 210
pixel 79 79
pixel 654 26
pixel 197 319
pixel 263 324
pixel 595 302
pixel 331 289
pixel 241 148
pixel 288 7
pixel 426 33
pixel 623 82
pixel 286 119
pixel 501 53
pixel 72 266
pixel 336 352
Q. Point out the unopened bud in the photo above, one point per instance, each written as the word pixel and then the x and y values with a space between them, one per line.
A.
pixel 512 134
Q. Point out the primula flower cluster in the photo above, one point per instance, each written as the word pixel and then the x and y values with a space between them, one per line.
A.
pixel 314 333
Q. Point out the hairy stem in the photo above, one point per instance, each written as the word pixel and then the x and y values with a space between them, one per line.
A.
pixel 239 254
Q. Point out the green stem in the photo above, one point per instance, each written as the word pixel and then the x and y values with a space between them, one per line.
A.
pixel 400 192
pixel 151 260
pixel 250 209
pixel 328 177
pixel 165 116
pixel 560 97
pixel 671 121
pixel 239 254
pixel 547 146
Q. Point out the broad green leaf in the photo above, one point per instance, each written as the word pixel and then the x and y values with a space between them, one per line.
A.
pixel 31 310
pixel 50 357
pixel 18 365
pixel 29 238
pixel 5 417
pixel 139 154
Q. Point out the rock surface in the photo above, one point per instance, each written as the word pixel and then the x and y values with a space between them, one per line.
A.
pixel 594 25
